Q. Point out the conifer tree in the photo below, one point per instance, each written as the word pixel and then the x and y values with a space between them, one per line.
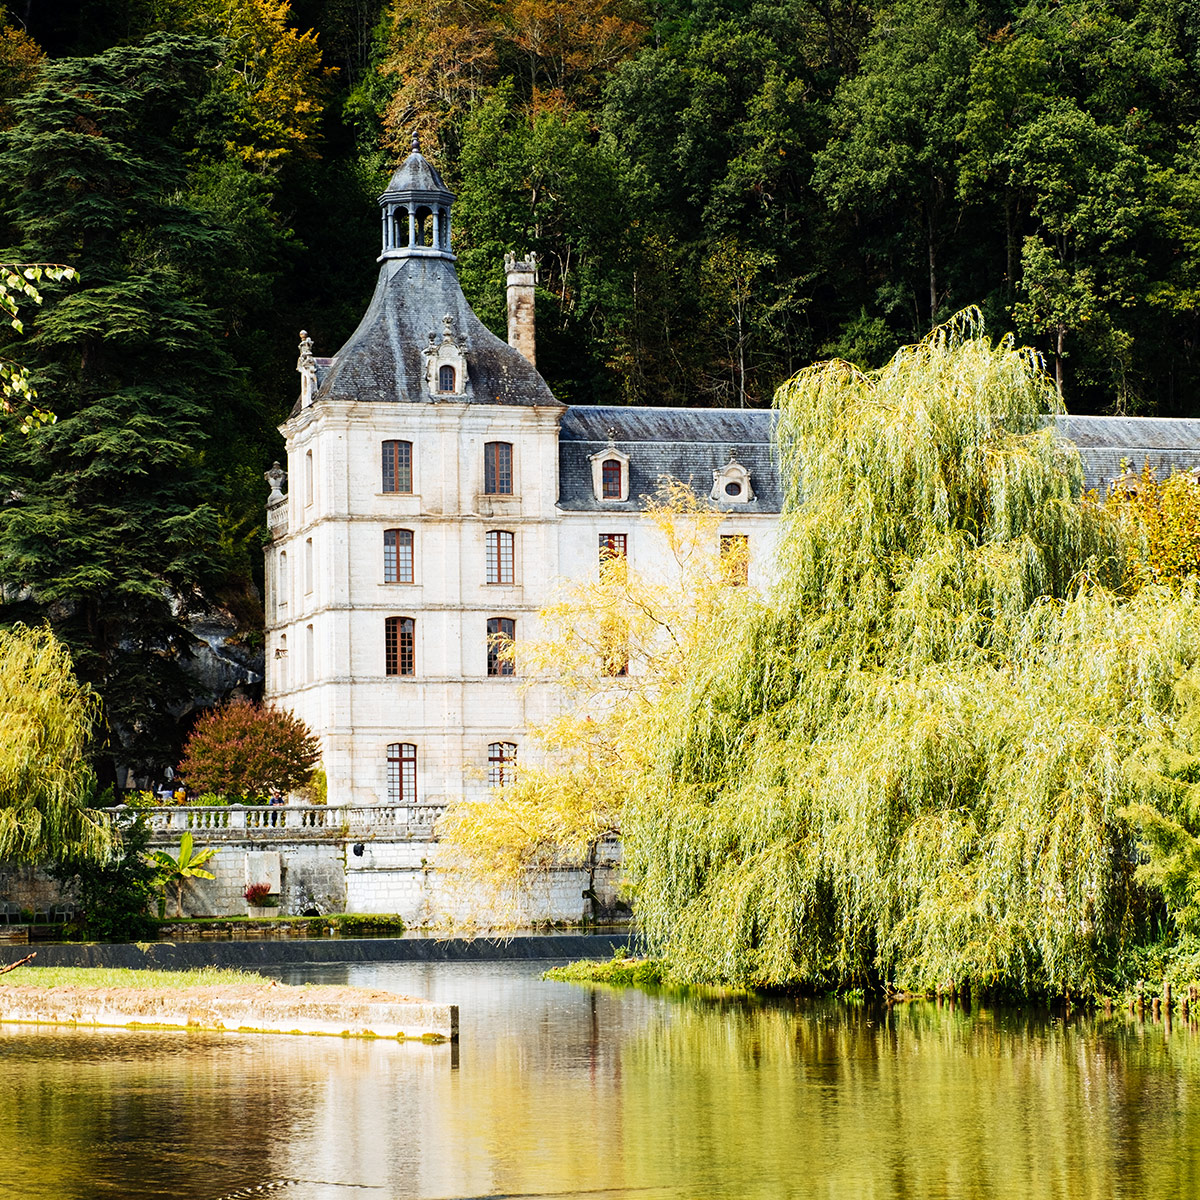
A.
pixel 107 531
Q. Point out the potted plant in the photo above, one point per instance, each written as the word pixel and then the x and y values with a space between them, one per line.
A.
pixel 261 902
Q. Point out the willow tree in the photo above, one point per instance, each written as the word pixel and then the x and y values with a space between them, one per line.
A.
pixel 46 721
pixel 921 762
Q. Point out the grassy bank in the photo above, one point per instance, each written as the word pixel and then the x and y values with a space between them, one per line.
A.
pixel 620 971
pixel 127 977
pixel 1143 973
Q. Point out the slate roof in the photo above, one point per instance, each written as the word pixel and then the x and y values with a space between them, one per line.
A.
pixel 1167 443
pixel 384 359
pixel 417 174
pixel 691 443
pixel 684 443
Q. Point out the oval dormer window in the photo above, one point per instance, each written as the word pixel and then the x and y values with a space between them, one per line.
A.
pixel 733 489
pixel 445 379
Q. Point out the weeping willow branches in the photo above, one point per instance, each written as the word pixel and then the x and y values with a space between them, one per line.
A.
pixel 46 720
pixel 916 762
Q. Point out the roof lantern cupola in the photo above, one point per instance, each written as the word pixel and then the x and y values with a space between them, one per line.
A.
pixel 416 210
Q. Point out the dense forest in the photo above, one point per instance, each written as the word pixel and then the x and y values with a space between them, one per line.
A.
pixel 720 192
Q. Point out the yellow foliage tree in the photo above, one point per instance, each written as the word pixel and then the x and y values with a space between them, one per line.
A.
pixel 46 722
pixel 612 647
pixel 271 73
pixel 1160 523
pixel 448 53
pixel 443 55
pixel 20 56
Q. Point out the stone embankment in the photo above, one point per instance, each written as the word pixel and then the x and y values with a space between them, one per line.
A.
pixel 269 1008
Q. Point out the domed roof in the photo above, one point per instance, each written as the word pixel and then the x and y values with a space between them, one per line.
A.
pixel 417 176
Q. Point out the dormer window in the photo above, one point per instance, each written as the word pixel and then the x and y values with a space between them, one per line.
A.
pixel 731 484
pixel 446 366
pixel 610 475
pixel 611 479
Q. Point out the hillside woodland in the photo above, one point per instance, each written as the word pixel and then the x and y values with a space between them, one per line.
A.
pixel 720 193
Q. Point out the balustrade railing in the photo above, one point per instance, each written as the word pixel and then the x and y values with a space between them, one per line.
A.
pixel 300 820
pixel 277 518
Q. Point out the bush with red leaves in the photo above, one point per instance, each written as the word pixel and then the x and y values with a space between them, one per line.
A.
pixel 246 751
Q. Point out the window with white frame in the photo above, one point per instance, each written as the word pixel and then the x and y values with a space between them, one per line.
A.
pixel 502 758
pixel 402 773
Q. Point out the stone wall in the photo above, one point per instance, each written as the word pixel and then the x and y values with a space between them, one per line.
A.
pixel 408 876
pixel 413 879
pixel 311 876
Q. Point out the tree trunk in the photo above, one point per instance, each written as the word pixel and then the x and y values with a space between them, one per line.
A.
pixel 1010 246
pixel 1058 359
pixel 933 291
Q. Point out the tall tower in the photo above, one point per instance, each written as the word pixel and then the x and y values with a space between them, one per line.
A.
pixel 419 530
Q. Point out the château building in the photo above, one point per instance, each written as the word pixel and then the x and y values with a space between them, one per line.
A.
pixel 439 493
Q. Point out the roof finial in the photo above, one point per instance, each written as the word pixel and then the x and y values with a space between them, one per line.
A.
pixel 416 142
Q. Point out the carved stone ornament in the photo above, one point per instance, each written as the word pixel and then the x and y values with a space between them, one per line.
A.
pixel 275 477
pixel 731 484
pixel 445 364
pixel 307 366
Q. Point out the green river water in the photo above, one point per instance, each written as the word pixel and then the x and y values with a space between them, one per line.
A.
pixel 558 1090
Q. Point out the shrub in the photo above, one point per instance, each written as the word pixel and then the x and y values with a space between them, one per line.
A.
pixel 246 751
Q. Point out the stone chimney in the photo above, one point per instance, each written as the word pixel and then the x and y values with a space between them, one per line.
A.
pixel 522 275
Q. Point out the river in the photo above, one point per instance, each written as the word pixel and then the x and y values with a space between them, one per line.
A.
pixel 558 1090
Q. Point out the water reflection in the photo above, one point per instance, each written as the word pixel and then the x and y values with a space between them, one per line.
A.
pixel 557 1090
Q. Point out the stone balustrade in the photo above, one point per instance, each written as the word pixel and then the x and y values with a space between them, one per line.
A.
pixel 277 518
pixel 298 821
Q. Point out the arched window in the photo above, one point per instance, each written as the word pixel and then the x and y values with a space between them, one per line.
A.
pixel 499 544
pixel 502 756
pixel 400 646
pixel 610 473
pixel 424 227
pixel 281 663
pixel 283 581
pixel 397 556
pixel 400 227
pixel 397 466
pixel 308 565
pixel 310 654
pixel 445 378
pixel 501 633
pixel 402 773
pixel 308 478
pixel 497 468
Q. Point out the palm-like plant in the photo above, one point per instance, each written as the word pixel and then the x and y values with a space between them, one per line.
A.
pixel 177 871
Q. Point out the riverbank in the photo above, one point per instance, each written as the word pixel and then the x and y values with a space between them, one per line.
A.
pixel 220 1001
pixel 1161 977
